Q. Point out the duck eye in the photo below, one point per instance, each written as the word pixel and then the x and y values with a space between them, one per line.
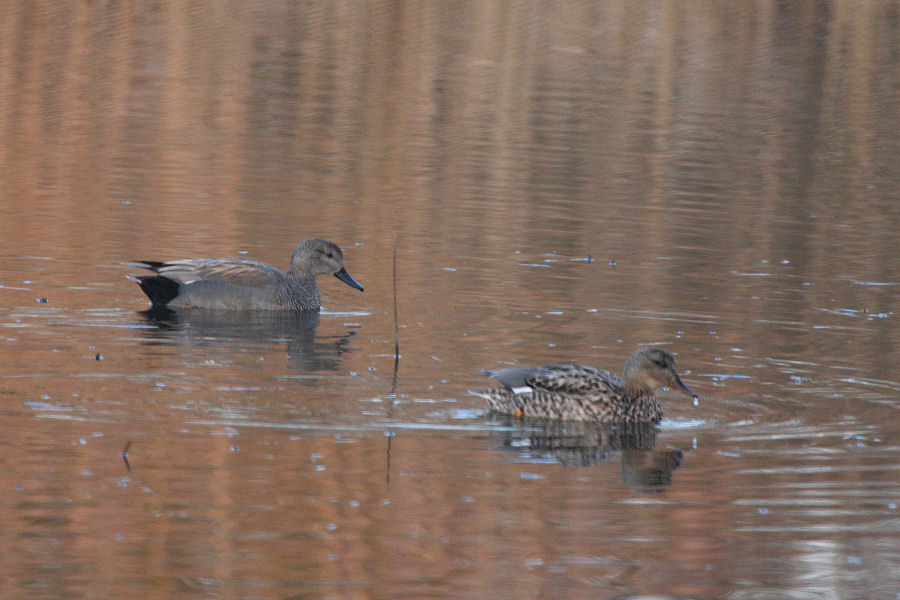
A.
pixel 331 255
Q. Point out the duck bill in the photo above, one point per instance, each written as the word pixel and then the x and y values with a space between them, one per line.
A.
pixel 344 276
pixel 680 385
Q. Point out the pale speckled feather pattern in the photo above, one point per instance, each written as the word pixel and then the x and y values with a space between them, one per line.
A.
pixel 575 379
pixel 577 392
pixel 601 405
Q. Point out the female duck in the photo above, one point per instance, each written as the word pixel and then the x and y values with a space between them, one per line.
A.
pixel 576 392
pixel 243 284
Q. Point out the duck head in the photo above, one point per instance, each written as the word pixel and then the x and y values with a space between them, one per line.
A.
pixel 316 256
pixel 649 369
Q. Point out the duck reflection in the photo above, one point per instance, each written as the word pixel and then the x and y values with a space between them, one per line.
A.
pixel 645 468
pixel 208 328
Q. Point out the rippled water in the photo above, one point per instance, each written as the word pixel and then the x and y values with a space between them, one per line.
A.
pixel 563 182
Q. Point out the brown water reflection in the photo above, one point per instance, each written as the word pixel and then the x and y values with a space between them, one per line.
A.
pixel 645 467
pixel 565 182
pixel 261 331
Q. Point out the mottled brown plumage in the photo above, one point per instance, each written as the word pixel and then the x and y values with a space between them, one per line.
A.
pixel 576 392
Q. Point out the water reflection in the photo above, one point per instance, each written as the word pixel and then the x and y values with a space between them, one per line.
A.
pixel 297 330
pixel 581 443
pixel 733 167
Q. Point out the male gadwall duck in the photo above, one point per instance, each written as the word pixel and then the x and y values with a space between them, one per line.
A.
pixel 580 393
pixel 244 284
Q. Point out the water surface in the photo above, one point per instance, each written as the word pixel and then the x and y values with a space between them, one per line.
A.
pixel 566 182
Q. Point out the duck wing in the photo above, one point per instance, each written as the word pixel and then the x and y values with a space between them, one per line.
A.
pixel 236 271
pixel 575 379
pixel 515 379
pixel 569 379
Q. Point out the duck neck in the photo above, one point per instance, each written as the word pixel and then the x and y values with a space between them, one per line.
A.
pixel 643 403
pixel 637 393
pixel 299 273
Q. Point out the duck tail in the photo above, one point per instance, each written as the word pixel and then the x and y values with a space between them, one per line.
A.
pixel 153 265
pixel 161 290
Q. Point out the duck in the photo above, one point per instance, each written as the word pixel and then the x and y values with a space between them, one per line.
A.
pixel 244 284
pixel 579 393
